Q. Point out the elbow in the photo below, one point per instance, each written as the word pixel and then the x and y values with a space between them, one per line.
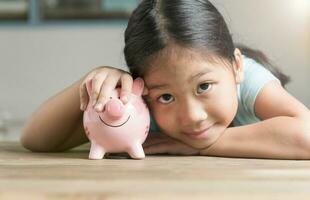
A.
pixel 28 143
pixel 29 140
pixel 25 142
pixel 25 136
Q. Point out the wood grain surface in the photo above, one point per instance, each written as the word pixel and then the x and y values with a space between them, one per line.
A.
pixel 70 175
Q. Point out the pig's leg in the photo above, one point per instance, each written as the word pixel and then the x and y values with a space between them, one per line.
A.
pixel 96 151
pixel 136 151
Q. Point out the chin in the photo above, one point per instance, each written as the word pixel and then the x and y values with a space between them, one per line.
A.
pixel 202 143
pixel 197 144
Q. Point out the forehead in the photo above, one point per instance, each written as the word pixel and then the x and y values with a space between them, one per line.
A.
pixel 181 63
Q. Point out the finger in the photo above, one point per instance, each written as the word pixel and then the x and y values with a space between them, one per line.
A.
pixel 126 84
pixel 108 85
pixel 83 96
pixel 97 81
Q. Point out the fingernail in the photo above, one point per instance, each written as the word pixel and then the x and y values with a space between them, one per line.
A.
pixel 124 99
pixel 99 107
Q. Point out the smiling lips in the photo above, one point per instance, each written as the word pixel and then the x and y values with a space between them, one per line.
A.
pixel 199 135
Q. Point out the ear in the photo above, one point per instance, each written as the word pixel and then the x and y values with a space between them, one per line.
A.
pixel 138 86
pixel 238 66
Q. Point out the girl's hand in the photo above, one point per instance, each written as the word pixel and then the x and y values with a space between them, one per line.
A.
pixel 104 81
pixel 162 144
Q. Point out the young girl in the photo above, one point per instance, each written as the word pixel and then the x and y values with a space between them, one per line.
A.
pixel 206 96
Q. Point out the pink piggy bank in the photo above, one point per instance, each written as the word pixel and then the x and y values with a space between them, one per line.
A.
pixel 119 128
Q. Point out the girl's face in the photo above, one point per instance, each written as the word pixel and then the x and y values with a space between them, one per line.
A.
pixel 191 99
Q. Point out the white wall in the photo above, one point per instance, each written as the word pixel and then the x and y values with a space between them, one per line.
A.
pixel 37 62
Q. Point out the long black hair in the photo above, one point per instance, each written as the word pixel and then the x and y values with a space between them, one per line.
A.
pixel 193 24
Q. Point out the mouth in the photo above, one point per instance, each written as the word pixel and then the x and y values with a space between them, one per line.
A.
pixel 204 134
pixel 114 126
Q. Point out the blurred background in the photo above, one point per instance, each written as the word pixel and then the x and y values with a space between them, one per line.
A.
pixel 46 45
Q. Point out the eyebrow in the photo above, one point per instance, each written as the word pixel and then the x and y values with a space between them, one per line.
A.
pixel 203 72
pixel 161 86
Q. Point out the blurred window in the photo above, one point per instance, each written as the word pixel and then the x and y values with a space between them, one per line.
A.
pixel 87 9
pixel 13 9
pixel 45 10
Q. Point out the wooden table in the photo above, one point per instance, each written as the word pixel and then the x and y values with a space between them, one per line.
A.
pixel 70 175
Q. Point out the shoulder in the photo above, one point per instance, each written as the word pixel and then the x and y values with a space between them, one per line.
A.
pixel 256 76
pixel 253 69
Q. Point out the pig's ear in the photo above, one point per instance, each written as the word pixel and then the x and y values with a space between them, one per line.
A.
pixel 89 86
pixel 137 87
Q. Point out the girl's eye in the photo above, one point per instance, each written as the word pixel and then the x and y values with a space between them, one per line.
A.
pixel 204 87
pixel 165 98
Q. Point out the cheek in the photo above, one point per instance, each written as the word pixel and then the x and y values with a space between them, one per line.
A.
pixel 224 112
pixel 225 106
pixel 165 119
pixel 161 119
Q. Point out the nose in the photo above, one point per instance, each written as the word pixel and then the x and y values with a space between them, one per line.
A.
pixel 114 109
pixel 192 114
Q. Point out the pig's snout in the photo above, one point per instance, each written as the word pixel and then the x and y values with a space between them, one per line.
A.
pixel 114 109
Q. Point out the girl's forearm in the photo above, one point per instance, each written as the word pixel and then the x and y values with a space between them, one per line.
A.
pixel 54 122
pixel 279 138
